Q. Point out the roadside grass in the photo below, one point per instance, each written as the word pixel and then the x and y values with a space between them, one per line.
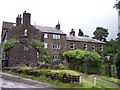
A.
pixel 55 82
pixel 58 83
pixel 73 72
pixel 102 84
pixel 111 79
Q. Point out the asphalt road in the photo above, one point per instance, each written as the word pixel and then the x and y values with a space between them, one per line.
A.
pixel 12 84
pixel 11 81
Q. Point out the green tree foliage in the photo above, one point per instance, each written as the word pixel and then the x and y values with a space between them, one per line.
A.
pixel 111 49
pixel 117 5
pixel 38 45
pixel 9 43
pixel 76 59
pixel 81 54
pixel 80 33
pixel 100 33
pixel 43 52
pixel 118 57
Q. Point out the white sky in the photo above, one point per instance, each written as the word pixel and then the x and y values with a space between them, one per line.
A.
pixel 78 14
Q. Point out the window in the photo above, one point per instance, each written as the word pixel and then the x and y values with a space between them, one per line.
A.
pixel 45 45
pixel 85 46
pixel 45 35
pixel 37 55
pixel 101 47
pixel 56 46
pixel 93 47
pixel 72 45
pixel 56 57
pixel 56 36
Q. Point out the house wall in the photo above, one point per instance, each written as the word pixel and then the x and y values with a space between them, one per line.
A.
pixel 50 41
pixel 80 45
pixel 22 54
pixel 19 31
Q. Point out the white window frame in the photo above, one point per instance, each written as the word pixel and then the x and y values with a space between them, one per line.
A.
pixel 72 44
pixel 55 46
pixel 85 46
pixel 37 55
pixel 56 36
pixel 46 45
pixel 45 35
pixel 93 47
pixel 56 57
pixel 101 47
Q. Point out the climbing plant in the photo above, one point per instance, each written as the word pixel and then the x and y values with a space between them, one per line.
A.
pixel 76 59
pixel 37 44
pixel 9 43
pixel 42 51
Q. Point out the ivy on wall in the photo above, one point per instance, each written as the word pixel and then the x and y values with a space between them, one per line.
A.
pixel 77 58
pixel 9 43
pixel 37 44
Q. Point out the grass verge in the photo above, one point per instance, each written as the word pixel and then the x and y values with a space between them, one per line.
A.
pixel 55 82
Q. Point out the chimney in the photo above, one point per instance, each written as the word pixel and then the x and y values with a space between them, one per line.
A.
pixel 26 18
pixel 18 20
pixel 72 32
pixel 58 26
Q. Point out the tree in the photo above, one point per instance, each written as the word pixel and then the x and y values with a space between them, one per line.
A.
pixel 42 51
pixel 100 34
pixel 118 57
pixel 117 5
pixel 80 33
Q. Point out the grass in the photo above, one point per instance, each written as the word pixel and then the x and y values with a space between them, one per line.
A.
pixel 73 72
pixel 111 79
pixel 55 82
pixel 71 85
pixel 102 84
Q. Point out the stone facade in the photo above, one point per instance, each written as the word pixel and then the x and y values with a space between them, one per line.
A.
pixel 54 39
pixel 21 55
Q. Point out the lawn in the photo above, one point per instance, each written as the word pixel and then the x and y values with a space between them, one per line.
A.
pixel 111 79
pixel 73 72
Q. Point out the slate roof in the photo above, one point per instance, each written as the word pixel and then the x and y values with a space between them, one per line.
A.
pixel 8 25
pixel 82 39
pixel 52 30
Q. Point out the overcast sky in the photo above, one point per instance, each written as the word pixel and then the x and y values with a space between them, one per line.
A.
pixel 78 14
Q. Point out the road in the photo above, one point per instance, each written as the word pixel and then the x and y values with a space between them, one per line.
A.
pixel 12 84
pixel 11 81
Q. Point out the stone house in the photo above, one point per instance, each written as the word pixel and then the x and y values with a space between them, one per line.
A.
pixel 84 43
pixel 54 39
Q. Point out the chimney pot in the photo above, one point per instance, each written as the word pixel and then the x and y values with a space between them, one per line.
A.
pixel 72 32
pixel 18 20
pixel 58 25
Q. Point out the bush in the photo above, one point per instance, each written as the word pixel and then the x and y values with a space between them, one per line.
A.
pixel 62 66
